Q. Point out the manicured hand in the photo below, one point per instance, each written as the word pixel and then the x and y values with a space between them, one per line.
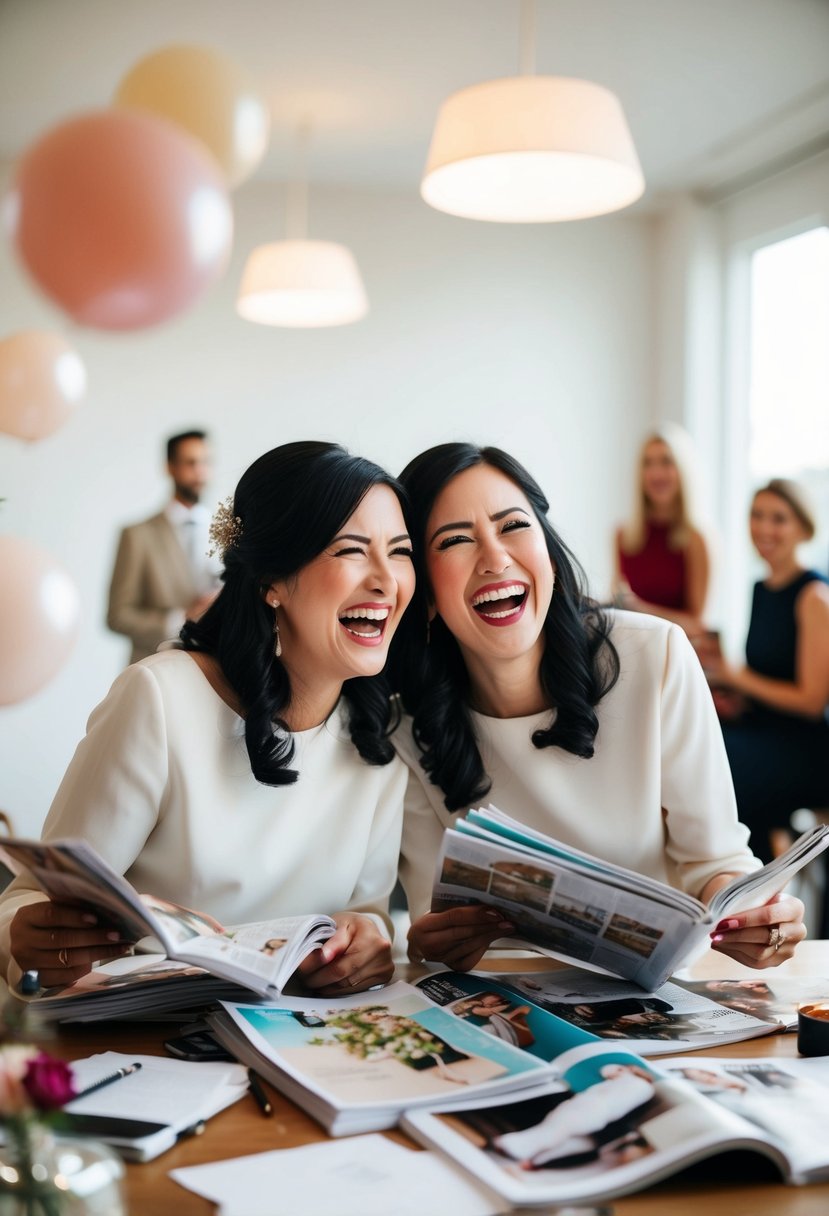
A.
pixel 356 957
pixel 458 937
pixel 764 936
pixel 61 942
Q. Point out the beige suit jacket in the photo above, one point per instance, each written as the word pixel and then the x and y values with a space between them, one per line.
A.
pixel 151 578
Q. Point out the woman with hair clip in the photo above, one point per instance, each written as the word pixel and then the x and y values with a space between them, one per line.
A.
pixel 597 728
pixel 248 773
pixel 779 748
pixel 661 560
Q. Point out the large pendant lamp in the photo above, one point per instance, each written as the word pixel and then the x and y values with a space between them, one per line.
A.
pixel 531 148
pixel 298 282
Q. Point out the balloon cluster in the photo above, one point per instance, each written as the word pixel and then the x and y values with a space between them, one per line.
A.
pixel 123 219
pixel 122 215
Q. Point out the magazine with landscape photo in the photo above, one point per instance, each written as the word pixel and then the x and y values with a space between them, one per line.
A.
pixel 609 1123
pixel 259 957
pixel 577 907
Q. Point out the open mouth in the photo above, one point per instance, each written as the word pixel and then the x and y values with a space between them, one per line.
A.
pixel 500 605
pixel 366 625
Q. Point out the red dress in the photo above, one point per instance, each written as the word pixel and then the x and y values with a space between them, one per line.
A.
pixel 657 574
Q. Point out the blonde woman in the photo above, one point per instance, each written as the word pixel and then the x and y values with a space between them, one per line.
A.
pixel 661 558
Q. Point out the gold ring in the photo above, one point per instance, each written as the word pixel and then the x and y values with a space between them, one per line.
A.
pixel 63 956
pixel 775 938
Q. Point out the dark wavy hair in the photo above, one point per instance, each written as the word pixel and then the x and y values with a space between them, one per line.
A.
pixel 291 502
pixel 578 667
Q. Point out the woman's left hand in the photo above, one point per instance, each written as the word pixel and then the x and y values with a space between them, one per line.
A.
pixel 764 936
pixel 354 958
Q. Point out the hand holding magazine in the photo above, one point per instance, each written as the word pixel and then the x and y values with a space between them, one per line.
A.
pixel 577 907
pixel 260 957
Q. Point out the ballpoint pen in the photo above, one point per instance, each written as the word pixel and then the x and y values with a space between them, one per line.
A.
pixel 113 1076
pixel 262 1099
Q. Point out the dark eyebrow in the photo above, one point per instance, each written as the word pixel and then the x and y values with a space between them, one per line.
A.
pixel 467 523
pixel 366 540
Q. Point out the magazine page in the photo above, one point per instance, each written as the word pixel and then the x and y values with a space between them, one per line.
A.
pixel 382 1050
pixel 670 1019
pixel 261 955
pixel 787 1100
pixel 499 1010
pixel 491 820
pixel 71 872
pixel 130 987
pixel 774 999
pixel 607 1125
pixel 751 890
pixel 566 914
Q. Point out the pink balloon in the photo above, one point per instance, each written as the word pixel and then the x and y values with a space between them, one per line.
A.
pixel 42 379
pixel 39 615
pixel 121 217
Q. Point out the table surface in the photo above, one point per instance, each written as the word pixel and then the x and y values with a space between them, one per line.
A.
pixel 242 1129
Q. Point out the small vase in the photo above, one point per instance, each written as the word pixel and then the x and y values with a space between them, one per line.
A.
pixel 46 1175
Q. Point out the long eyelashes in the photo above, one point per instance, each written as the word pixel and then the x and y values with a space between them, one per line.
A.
pixel 511 525
pixel 352 550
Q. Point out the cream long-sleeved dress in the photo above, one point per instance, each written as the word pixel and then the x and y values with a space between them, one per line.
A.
pixel 656 797
pixel 161 786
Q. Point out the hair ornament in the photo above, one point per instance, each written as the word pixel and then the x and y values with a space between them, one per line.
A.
pixel 225 529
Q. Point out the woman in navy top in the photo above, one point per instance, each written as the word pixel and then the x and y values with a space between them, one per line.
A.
pixel 779 749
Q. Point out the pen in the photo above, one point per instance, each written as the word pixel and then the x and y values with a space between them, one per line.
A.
pixel 113 1076
pixel 262 1099
pixel 196 1129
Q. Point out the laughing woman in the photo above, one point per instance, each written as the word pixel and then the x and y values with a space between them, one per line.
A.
pixel 597 729
pixel 248 772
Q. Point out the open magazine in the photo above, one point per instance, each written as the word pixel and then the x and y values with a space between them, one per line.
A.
pixel 577 907
pixel 671 1019
pixel 260 957
pixel 607 1124
pixel 356 1063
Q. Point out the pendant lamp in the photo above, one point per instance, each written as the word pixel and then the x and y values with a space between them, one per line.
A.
pixel 531 148
pixel 298 282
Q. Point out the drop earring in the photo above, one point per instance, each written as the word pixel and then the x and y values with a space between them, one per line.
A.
pixel 277 645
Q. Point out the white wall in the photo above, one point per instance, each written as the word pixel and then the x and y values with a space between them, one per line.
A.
pixel 536 338
pixel 782 206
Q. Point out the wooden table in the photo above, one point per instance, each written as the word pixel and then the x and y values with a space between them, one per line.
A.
pixel 242 1129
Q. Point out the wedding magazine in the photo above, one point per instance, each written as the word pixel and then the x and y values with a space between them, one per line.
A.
pixel 580 908
pixel 608 1123
pixel 356 1063
pixel 258 957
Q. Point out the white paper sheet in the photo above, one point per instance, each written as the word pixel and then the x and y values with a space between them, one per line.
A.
pixel 360 1176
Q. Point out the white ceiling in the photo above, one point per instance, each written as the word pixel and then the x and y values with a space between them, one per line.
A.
pixel 713 89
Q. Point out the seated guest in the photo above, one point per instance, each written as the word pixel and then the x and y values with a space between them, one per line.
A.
pixel 248 773
pixel 779 748
pixel 661 560
pixel 596 728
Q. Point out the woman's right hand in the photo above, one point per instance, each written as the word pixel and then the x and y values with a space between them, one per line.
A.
pixel 61 942
pixel 459 937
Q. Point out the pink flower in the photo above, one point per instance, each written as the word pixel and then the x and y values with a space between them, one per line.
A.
pixel 14 1063
pixel 48 1082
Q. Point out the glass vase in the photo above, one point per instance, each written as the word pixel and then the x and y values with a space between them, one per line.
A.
pixel 42 1174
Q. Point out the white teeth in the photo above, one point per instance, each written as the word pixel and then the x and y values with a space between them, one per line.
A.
pixel 502 593
pixel 365 614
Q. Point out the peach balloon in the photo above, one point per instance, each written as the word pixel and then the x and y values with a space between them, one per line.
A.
pixel 121 217
pixel 42 379
pixel 210 96
pixel 39 615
